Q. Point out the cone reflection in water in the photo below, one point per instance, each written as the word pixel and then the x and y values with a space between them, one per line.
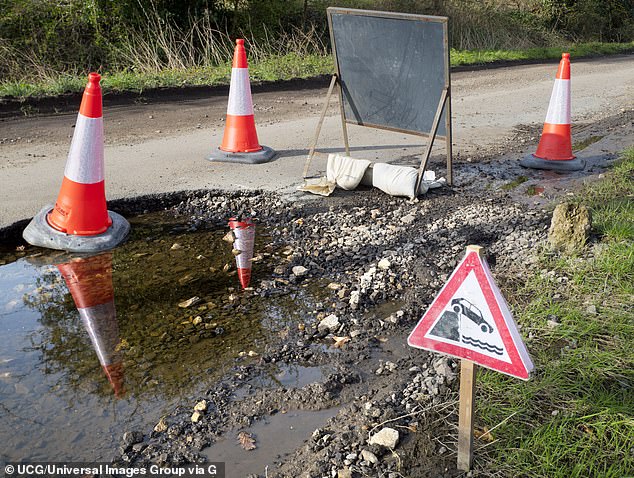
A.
pixel 89 281
pixel 244 233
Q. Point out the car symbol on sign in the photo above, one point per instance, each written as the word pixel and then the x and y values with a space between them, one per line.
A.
pixel 466 308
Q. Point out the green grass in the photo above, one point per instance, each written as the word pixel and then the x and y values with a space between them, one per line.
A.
pixel 513 184
pixel 274 68
pixel 474 57
pixel 575 417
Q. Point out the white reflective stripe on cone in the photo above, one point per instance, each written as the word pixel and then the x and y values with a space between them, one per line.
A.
pixel 243 260
pixel 559 107
pixel 85 159
pixel 240 102
pixel 101 323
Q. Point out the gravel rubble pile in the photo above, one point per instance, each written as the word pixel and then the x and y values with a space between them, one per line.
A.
pixel 364 251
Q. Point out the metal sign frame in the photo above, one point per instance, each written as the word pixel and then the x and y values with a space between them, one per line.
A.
pixel 444 104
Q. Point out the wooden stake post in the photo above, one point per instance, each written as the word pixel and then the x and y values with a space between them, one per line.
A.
pixel 468 371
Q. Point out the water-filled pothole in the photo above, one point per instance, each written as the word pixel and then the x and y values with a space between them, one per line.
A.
pixel 275 437
pixel 286 376
pixel 125 347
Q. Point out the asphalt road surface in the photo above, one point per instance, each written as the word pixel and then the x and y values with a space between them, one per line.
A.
pixel 162 146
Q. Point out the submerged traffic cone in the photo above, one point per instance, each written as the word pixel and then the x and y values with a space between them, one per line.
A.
pixel 80 222
pixel 240 142
pixel 243 245
pixel 555 146
pixel 90 283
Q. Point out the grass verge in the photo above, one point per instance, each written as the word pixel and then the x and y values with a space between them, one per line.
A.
pixel 575 417
pixel 273 68
pixel 580 50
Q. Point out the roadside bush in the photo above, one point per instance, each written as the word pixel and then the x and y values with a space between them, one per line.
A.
pixel 591 20
pixel 39 39
pixel 58 35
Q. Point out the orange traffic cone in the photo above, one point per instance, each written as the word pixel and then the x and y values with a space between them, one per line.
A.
pixel 79 221
pixel 555 146
pixel 81 204
pixel 240 142
pixel 90 283
pixel 244 243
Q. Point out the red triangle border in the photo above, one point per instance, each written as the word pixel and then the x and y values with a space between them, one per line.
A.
pixel 473 262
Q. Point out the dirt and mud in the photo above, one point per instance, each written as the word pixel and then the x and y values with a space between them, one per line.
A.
pixel 381 260
pixel 378 261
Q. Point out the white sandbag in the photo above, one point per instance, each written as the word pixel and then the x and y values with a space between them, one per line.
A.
pixel 395 180
pixel 345 171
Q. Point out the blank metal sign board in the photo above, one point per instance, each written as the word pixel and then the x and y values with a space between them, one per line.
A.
pixel 392 68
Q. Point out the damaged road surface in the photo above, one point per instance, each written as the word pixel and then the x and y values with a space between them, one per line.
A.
pixel 306 373
pixel 340 380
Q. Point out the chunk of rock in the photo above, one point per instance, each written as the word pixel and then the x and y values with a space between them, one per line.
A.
pixel 387 437
pixel 196 416
pixel 161 426
pixel 299 271
pixel 344 473
pixel 354 298
pixel 384 264
pixel 441 367
pixel 329 324
pixel 189 302
pixel 130 438
pixel 570 227
pixel 369 457
pixel 201 406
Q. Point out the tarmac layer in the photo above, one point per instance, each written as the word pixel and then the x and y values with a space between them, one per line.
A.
pixel 161 146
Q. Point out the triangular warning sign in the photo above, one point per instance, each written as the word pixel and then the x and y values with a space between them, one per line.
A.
pixel 470 319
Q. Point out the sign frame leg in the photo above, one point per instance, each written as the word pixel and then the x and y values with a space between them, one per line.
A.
pixel 468 371
pixel 432 136
pixel 311 152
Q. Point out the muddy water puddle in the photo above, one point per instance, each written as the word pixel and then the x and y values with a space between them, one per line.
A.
pixel 98 345
pixel 274 437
